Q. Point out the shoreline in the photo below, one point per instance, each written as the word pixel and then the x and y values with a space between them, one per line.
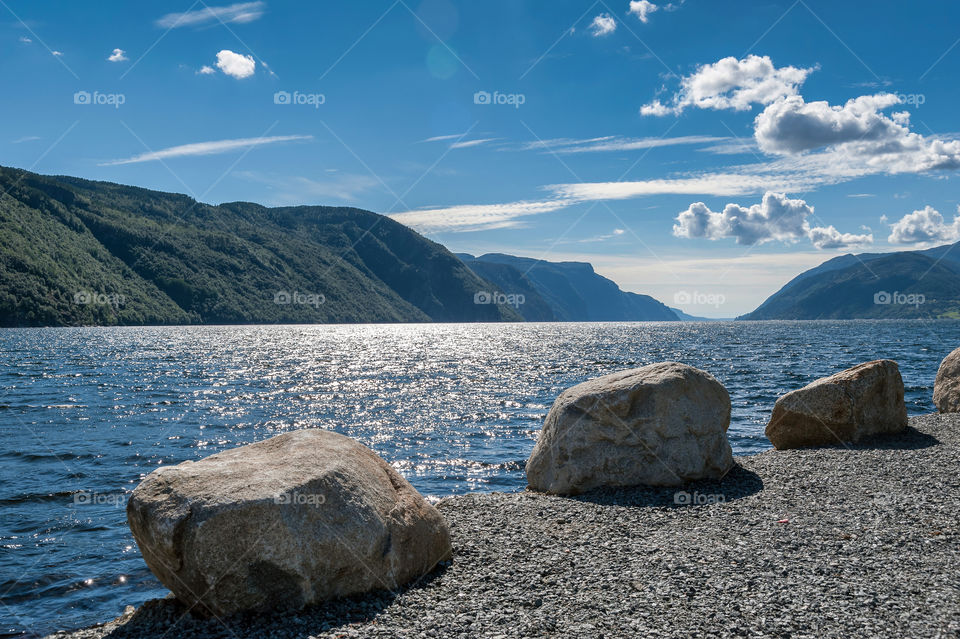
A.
pixel 858 541
pixel 703 320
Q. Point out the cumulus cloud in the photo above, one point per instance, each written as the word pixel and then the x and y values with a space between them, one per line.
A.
pixel 924 226
pixel 118 55
pixel 791 125
pixel 830 238
pixel 602 25
pixel 857 135
pixel 236 65
pixel 206 70
pixel 732 84
pixel 642 9
pixel 240 13
pixel 775 218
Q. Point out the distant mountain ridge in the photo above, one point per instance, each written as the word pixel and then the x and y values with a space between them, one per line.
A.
pixel 77 252
pixel 565 291
pixel 906 284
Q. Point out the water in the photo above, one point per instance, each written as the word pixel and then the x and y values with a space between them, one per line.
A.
pixel 86 413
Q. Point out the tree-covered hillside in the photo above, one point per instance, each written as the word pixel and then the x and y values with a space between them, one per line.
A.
pixel 75 252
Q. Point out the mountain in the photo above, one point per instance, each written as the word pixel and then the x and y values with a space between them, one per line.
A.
pixel 570 291
pixel 909 284
pixel 76 252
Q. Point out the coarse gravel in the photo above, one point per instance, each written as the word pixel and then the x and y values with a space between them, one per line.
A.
pixel 859 541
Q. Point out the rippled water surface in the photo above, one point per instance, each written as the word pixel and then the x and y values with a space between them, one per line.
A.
pixel 86 413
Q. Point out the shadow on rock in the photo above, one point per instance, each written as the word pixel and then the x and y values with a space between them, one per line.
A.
pixel 738 483
pixel 169 617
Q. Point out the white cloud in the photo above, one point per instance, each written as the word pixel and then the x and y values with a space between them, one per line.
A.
pixel 25 40
pixel 602 25
pixel 830 238
pixel 791 125
pixel 615 143
pixel 240 13
pixel 297 190
pixel 118 55
pixel 57 53
pixel 475 217
pixel 26 138
pixel 857 136
pixel 924 226
pixel 642 9
pixel 464 144
pixel 205 148
pixel 236 65
pixel 719 184
pixel 775 218
pixel 206 70
pixel 732 84
pixel 441 138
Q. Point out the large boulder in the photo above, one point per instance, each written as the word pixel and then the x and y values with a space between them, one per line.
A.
pixel 296 519
pixel 660 425
pixel 946 390
pixel 859 402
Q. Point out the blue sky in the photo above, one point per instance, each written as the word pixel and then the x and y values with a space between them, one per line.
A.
pixel 702 152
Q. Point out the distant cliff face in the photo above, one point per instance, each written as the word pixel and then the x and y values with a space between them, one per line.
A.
pixel 565 291
pixel 912 284
pixel 75 252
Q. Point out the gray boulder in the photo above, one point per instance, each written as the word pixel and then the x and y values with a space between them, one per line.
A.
pixel 660 425
pixel 859 402
pixel 946 390
pixel 296 519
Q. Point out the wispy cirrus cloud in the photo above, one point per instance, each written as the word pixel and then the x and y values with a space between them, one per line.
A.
pixel 241 12
pixel 315 190
pixel 476 217
pixel 465 144
pixel 616 143
pixel 205 148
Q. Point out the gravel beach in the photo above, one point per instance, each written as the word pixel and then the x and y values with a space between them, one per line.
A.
pixel 833 542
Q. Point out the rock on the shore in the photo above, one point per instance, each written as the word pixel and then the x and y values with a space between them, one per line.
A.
pixel 660 425
pixel 859 402
pixel 946 390
pixel 299 518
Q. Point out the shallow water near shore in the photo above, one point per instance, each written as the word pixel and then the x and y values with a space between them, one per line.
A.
pixel 86 413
